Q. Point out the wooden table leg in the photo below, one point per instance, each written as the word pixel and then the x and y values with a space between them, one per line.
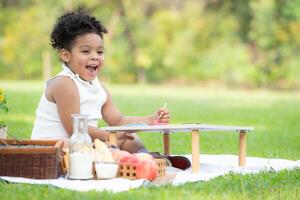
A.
pixel 112 139
pixel 242 152
pixel 166 137
pixel 195 151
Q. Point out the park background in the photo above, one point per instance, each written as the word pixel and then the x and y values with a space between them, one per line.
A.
pixel 248 44
pixel 215 61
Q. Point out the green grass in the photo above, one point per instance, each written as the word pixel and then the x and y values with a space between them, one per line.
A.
pixel 274 115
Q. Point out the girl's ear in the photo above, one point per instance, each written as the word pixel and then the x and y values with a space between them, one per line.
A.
pixel 64 55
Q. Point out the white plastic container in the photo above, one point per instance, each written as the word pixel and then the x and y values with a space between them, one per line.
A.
pixel 106 170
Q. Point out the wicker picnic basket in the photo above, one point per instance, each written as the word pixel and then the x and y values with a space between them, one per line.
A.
pixel 128 170
pixel 38 159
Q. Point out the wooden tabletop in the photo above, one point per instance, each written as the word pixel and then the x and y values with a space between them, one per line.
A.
pixel 167 128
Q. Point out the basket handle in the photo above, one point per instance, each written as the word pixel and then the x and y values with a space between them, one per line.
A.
pixel 64 157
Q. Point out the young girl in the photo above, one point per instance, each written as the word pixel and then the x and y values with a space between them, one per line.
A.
pixel 78 38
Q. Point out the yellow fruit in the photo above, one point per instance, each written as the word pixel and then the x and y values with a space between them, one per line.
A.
pixel 102 152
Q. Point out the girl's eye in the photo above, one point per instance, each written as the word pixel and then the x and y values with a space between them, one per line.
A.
pixel 85 51
pixel 100 52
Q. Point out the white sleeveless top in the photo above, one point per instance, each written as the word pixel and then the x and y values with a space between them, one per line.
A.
pixel 48 125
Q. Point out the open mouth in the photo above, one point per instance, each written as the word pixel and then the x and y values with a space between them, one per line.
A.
pixel 92 68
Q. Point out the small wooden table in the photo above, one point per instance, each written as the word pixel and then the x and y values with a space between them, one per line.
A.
pixel 195 130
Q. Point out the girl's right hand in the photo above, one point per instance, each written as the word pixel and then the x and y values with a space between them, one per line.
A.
pixel 162 116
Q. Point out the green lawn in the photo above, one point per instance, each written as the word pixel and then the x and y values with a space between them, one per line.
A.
pixel 273 114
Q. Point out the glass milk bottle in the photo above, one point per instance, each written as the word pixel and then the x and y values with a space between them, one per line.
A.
pixel 81 149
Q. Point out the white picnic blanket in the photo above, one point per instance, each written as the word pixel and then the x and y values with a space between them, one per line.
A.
pixel 211 166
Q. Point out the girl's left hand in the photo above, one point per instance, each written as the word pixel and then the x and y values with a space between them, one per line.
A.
pixel 162 116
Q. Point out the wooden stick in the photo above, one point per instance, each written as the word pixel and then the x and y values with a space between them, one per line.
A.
pixel 166 138
pixel 195 151
pixel 242 152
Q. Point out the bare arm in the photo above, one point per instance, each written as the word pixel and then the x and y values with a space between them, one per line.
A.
pixel 113 117
pixel 63 92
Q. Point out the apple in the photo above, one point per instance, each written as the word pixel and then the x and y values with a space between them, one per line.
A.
pixel 143 156
pixel 118 154
pixel 128 158
pixel 146 169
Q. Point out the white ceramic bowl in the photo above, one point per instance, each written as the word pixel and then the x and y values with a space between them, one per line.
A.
pixel 106 170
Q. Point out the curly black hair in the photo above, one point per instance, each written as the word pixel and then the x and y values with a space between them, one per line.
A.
pixel 74 24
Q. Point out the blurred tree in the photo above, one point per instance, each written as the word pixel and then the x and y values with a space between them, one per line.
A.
pixel 250 43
